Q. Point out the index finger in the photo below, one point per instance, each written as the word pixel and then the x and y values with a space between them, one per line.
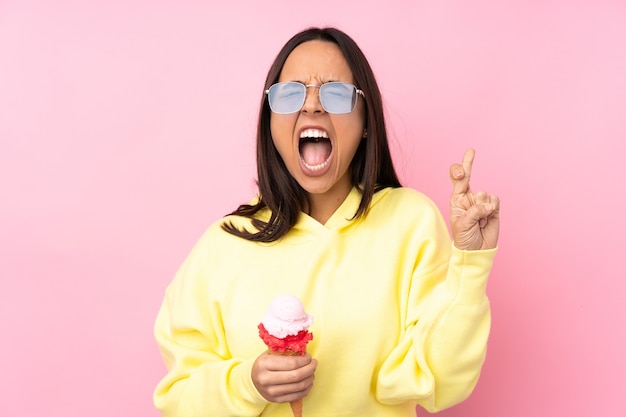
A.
pixel 461 185
pixel 283 362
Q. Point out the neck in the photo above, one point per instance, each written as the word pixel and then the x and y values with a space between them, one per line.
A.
pixel 323 206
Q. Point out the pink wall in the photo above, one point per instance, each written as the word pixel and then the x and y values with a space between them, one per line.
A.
pixel 126 127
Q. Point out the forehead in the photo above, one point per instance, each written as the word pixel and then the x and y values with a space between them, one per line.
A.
pixel 316 61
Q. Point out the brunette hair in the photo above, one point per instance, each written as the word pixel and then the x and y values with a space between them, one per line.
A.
pixel 371 168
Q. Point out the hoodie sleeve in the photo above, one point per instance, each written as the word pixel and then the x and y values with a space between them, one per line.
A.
pixel 202 375
pixel 439 357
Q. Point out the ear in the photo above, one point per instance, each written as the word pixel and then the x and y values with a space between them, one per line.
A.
pixel 364 134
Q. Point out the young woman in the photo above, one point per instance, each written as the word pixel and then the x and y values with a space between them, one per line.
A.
pixel 400 312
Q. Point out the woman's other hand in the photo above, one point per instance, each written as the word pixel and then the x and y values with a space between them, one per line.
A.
pixel 474 217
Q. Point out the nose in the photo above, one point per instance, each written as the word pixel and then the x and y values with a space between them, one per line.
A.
pixel 312 102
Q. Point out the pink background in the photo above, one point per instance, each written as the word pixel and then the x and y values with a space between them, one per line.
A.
pixel 127 127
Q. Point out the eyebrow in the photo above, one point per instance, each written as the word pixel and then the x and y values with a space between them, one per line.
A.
pixel 331 80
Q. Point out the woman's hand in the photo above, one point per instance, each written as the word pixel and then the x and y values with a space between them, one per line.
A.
pixel 474 218
pixel 281 379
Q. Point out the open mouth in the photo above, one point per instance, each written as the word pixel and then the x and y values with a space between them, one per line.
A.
pixel 315 149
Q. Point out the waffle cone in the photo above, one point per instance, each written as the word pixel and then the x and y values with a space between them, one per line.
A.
pixel 296 406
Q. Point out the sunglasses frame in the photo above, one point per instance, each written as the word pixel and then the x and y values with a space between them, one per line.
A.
pixel 319 87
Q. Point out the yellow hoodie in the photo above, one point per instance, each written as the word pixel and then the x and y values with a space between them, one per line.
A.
pixel 400 316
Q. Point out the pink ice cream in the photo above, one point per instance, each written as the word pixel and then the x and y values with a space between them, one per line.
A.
pixel 285 325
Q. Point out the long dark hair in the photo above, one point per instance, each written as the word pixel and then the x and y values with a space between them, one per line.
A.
pixel 371 168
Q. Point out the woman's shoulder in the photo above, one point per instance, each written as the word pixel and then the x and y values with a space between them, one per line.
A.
pixel 406 210
pixel 215 234
pixel 402 198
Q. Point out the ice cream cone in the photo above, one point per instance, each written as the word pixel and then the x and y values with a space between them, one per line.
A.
pixel 296 407
pixel 287 333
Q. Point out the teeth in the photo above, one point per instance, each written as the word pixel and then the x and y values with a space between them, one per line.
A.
pixel 316 167
pixel 313 133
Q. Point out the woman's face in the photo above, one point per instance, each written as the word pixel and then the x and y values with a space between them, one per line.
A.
pixel 317 147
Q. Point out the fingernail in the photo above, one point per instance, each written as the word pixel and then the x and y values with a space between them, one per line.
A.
pixel 488 207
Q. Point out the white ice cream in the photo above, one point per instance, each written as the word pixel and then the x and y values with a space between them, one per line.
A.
pixel 286 316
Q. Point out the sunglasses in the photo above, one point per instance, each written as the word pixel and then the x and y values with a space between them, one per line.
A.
pixel 335 97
